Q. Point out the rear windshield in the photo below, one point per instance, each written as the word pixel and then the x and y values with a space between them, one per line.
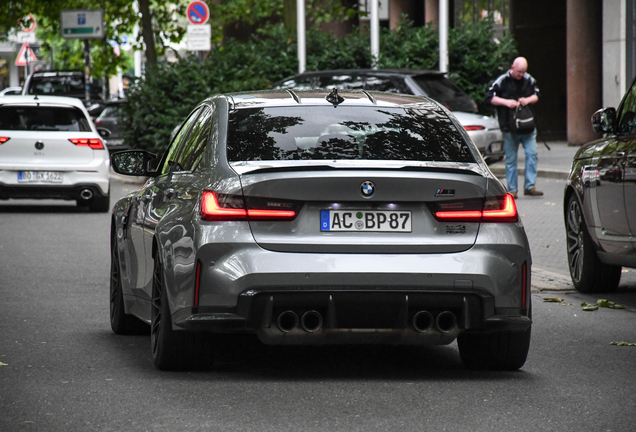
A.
pixel 345 133
pixel 446 92
pixel 43 118
pixel 57 85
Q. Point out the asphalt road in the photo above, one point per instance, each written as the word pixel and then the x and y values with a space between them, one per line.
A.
pixel 62 369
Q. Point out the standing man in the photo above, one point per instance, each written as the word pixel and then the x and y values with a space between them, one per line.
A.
pixel 516 87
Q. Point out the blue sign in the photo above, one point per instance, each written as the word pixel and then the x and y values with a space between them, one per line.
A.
pixel 81 19
pixel 198 12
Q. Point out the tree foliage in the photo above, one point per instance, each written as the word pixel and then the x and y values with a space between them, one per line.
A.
pixel 161 100
pixel 120 17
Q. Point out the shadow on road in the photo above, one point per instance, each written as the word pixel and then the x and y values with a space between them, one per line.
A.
pixel 244 357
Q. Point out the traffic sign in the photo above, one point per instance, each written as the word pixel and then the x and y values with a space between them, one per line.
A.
pixel 25 56
pixel 198 12
pixel 31 20
pixel 199 37
pixel 82 23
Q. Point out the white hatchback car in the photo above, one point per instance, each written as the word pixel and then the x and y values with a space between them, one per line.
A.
pixel 49 148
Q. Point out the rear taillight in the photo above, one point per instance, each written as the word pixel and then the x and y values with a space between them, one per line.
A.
pixel 94 143
pixel 4 139
pixel 216 206
pixel 474 128
pixel 492 209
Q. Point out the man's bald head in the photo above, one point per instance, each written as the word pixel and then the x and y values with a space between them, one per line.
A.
pixel 518 68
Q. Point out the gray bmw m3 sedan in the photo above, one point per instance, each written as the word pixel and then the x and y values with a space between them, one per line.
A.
pixel 317 217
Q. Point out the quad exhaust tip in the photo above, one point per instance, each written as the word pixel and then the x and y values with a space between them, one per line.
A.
pixel 311 321
pixel 287 321
pixel 446 322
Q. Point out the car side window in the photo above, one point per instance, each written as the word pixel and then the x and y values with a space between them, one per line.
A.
pixel 171 162
pixel 385 84
pixel 627 113
pixel 297 83
pixel 345 81
pixel 196 142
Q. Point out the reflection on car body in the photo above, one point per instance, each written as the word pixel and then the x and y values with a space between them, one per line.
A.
pixel 483 130
pixel 320 218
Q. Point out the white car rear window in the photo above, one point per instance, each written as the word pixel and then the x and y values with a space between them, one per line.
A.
pixel 15 117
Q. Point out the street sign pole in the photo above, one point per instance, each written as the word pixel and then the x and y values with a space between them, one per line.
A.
pixel 87 71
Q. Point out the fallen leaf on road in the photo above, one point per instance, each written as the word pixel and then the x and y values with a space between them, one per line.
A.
pixel 590 307
pixel 623 343
pixel 609 304
pixel 553 299
pixel 3 364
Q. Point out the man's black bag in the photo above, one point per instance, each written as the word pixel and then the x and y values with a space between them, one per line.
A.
pixel 522 120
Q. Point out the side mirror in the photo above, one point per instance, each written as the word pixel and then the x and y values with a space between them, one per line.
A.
pixel 103 132
pixel 604 121
pixel 134 163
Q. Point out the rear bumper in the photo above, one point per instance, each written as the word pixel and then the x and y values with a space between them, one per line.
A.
pixel 316 317
pixel 40 191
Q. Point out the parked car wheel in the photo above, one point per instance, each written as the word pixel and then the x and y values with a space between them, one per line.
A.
pixel 120 322
pixel 588 273
pixel 499 350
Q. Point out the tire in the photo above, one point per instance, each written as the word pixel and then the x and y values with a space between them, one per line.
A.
pixel 99 204
pixel 120 322
pixel 173 350
pixel 497 350
pixel 589 274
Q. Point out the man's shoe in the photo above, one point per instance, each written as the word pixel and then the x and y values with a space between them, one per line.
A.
pixel 532 192
pixel 514 194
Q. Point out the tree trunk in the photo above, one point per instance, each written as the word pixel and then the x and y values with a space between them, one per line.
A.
pixel 146 32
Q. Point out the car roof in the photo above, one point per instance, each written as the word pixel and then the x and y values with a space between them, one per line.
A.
pixel 402 72
pixel 317 97
pixel 57 73
pixel 52 100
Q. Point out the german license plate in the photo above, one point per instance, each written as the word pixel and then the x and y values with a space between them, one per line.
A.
pixel 365 220
pixel 39 177
pixel 496 147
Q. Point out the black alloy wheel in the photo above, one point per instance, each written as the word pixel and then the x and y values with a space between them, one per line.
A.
pixel 173 350
pixel 589 274
pixel 120 322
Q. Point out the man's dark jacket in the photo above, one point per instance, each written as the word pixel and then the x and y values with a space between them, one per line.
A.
pixel 506 88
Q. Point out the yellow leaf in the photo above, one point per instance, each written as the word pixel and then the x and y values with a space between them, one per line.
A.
pixel 3 364
pixel 553 299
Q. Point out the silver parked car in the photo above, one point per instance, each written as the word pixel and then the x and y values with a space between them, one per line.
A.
pixel 308 217
pixel 483 130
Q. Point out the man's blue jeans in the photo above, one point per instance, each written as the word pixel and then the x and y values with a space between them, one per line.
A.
pixel 511 146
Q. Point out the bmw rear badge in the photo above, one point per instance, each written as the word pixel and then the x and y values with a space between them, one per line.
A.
pixel 39 145
pixel 367 188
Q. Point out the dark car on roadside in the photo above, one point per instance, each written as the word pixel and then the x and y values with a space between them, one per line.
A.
pixel 70 83
pixel 600 201
pixel 316 217
pixel 111 119
pixel 483 130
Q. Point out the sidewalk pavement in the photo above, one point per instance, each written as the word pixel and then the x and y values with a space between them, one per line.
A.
pixel 554 163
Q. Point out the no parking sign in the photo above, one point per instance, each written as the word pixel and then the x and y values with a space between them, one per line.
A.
pixel 198 12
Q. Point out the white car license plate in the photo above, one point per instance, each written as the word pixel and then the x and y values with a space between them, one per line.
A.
pixel 39 177
pixel 496 147
pixel 365 220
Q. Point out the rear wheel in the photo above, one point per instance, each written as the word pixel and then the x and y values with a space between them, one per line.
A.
pixel 120 322
pixel 171 349
pixel 499 350
pixel 588 273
